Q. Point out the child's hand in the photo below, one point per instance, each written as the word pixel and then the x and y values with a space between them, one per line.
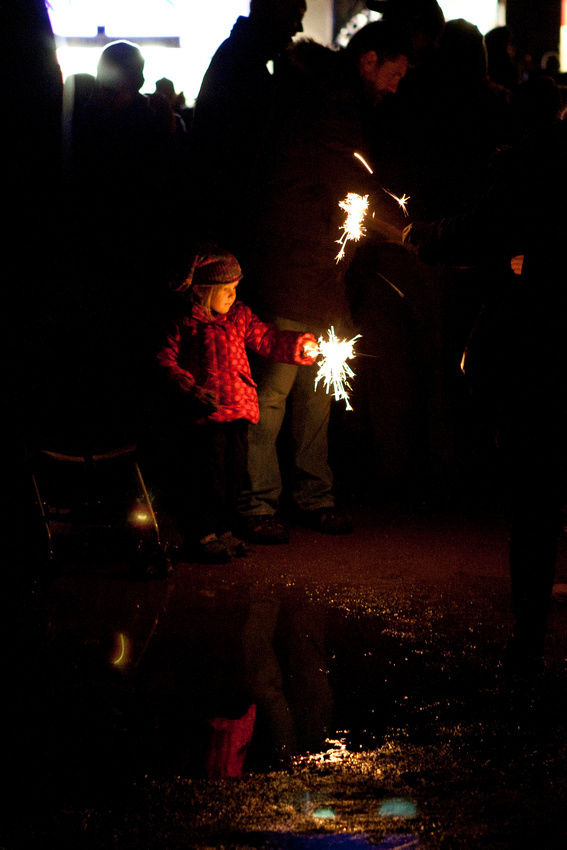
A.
pixel 309 348
pixel 185 383
pixel 206 400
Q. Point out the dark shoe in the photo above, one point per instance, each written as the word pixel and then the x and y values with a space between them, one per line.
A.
pixel 210 550
pixel 236 547
pixel 327 521
pixel 266 529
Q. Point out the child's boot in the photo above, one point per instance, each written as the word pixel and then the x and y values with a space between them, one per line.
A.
pixel 211 550
pixel 236 547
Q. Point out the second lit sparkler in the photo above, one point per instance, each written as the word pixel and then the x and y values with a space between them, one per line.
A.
pixel 356 208
pixel 334 370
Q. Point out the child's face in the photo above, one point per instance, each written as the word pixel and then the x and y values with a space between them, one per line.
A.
pixel 224 297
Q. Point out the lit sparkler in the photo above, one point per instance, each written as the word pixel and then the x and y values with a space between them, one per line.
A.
pixel 356 207
pixel 334 371
pixel 401 201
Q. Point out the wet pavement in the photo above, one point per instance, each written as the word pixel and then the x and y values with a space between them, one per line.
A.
pixel 355 677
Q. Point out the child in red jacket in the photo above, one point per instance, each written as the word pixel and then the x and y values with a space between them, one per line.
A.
pixel 205 356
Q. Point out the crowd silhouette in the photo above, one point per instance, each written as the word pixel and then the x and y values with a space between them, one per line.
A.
pixel 116 188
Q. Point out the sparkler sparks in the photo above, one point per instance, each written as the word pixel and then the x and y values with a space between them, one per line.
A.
pixel 401 201
pixel 356 207
pixel 334 371
pixel 363 161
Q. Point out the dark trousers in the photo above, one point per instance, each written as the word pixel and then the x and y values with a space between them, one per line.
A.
pixel 210 472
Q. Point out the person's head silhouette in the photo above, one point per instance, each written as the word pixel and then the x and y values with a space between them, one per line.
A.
pixel 120 71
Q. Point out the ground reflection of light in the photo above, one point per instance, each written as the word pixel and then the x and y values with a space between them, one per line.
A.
pixel 121 654
pixel 397 807
pixel 324 814
pixel 336 753
pixel 140 516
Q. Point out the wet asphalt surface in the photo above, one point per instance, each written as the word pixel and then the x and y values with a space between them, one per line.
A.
pixel 372 659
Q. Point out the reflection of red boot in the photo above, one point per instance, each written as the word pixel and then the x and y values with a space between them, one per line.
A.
pixel 229 743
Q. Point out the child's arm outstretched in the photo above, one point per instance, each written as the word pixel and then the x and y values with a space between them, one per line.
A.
pixel 285 346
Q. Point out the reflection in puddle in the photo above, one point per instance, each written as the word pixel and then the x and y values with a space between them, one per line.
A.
pixel 286 672
pixel 335 753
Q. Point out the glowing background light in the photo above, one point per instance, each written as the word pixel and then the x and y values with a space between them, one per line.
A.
pixel 486 14
pixel 563 37
pixel 200 28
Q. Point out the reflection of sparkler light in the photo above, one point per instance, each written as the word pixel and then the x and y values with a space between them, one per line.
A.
pixel 121 656
pixel 401 201
pixel 140 516
pixel 355 207
pixel 336 753
pixel 334 371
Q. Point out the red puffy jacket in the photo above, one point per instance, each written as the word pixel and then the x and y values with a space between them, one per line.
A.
pixel 209 353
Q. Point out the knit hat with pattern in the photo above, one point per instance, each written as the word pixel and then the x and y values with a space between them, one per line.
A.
pixel 212 267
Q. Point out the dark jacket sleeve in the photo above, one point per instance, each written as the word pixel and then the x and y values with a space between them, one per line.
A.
pixel 492 230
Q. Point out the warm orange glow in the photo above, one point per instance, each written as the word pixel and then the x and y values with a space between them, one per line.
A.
pixel 140 516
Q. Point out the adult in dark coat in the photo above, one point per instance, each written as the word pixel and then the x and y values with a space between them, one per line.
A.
pixel 231 111
pixel 123 181
pixel 501 52
pixel 521 367
pixel 305 168
pixel 434 141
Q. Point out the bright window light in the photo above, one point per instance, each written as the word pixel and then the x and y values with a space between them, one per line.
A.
pixel 563 37
pixel 200 28
pixel 485 14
